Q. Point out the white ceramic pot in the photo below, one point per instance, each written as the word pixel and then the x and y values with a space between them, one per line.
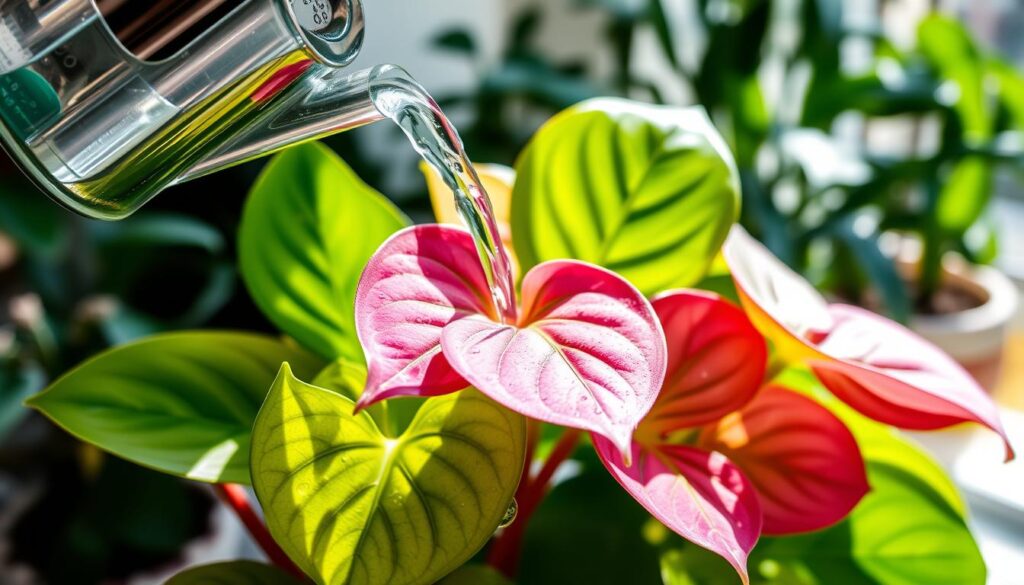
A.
pixel 976 338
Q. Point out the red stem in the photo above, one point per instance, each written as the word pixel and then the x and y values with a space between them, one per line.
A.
pixel 507 547
pixel 235 496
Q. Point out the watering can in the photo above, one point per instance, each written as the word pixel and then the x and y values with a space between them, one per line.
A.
pixel 102 126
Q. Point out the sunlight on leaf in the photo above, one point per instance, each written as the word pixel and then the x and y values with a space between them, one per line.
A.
pixel 181 403
pixel 351 506
pixel 646 191
pixel 308 228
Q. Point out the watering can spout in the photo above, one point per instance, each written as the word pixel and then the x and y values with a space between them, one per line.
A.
pixel 324 101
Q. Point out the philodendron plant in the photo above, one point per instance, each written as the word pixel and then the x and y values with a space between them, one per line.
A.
pixel 402 421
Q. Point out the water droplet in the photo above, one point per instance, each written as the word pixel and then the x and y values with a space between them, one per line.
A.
pixel 510 514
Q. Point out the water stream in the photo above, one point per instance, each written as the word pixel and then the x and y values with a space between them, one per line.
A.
pixel 398 97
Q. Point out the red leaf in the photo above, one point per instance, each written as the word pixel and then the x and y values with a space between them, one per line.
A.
pixel 876 366
pixel 803 460
pixel 716 361
pixel 895 377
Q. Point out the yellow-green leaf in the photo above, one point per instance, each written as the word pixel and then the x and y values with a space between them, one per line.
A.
pixel 181 403
pixel 233 572
pixel 646 191
pixel 352 506
pixel 308 228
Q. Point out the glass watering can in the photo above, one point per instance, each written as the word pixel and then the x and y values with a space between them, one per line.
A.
pixel 102 129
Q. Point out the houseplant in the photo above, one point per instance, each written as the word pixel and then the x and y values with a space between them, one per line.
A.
pixel 374 462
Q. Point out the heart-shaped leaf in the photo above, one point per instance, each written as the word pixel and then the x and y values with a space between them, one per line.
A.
pixel 704 381
pixel 873 364
pixel 803 460
pixel 646 191
pixel 420 280
pixel 308 228
pixel 352 506
pixel 588 351
pixel 698 494
pixel 182 403
pixel 234 572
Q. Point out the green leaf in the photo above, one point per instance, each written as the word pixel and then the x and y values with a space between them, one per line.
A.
pixel 456 40
pixel 307 230
pixel 950 50
pixel 646 191
pixel 351 506
pixel 1011 90
pixel 475 575
pixel 234 572
pixel 182 403
pixel 964 195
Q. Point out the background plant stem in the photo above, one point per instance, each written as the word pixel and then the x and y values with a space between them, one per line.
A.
pixel 236 497
pixel 508 545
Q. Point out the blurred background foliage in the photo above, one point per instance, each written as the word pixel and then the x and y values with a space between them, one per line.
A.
pixel 806 96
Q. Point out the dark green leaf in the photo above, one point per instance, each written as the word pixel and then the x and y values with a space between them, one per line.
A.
pixel 589 530
pixel 458 40
pixel 475 575
pixel 233 573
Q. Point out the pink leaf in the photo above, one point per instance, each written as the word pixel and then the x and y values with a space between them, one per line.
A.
pixel 803 460
pixel 587 353
pixel 420 279
pixel 876 366
pixel 716 361
pixel 700 495
pixel 895 377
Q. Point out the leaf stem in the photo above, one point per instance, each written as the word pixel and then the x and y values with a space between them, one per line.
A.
pixel 236 498
pixel 507 547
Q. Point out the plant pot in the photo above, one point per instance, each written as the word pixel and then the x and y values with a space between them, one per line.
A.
pixel 975 337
